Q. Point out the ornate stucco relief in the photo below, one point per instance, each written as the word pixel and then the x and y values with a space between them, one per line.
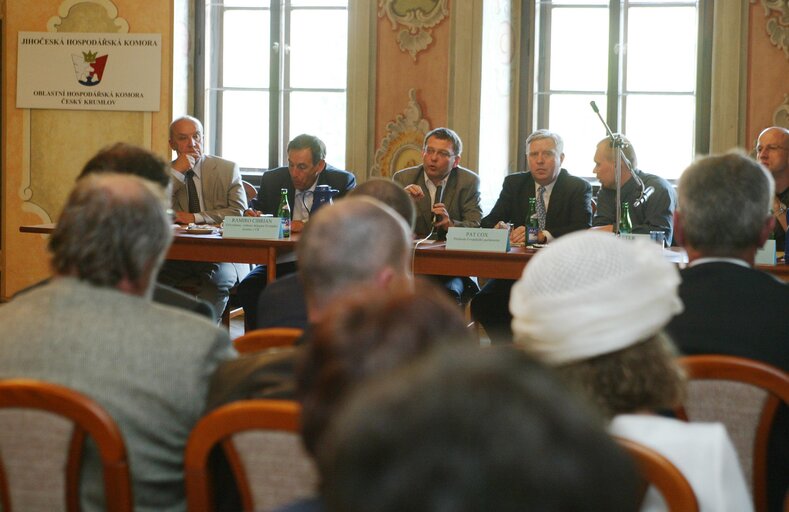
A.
pixel 777 25
pixel 402 145
pixel 418 17
pixel 781 115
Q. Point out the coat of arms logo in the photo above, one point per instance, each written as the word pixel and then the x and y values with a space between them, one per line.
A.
pixel 89 68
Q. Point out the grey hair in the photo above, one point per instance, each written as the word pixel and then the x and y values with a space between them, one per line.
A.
pixel 113 227
pixel 186 118
pixel 348 244
pixel 445 134
pixel 311 142
pixel 724 202
pixel 558 142
pixel 628 150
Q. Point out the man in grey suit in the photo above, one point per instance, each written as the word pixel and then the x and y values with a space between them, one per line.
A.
pixel 206 189
pixel 445 196
pixel 94 329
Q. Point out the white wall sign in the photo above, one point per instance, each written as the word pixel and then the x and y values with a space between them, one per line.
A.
pixel 84 71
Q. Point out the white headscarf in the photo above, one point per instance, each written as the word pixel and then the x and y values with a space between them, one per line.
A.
pixel 590 293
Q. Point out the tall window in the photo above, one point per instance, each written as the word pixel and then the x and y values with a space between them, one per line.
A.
pixel 273 69
pixel 639 61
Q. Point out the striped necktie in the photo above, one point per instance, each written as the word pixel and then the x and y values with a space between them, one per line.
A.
pixel 194 200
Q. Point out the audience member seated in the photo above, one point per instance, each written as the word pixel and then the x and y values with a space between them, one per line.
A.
pixel 282 302
pixel 595 307
pixel 473 430
pixel 446 195
pixel 306 169
pixel 365 335
pixel 330 267
pixel 730 307
pixel 564 204
pixel 125 158
pixel 205 190
pixel 655 209
pixel 94 329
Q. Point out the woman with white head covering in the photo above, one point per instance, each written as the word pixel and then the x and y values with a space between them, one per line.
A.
pixel 594 307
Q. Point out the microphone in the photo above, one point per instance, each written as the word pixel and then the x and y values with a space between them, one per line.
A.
pixel 439 199
pixel 644 196
pixel 594 107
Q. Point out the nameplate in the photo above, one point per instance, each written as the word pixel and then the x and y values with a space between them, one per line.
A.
pixel 478 239
pixel 766 255
pixel 255 228
pixel 634 236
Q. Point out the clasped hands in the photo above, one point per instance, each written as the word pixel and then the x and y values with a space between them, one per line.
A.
pixel 518 235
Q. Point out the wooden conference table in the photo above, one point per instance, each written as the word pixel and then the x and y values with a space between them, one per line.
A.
pixel 429 258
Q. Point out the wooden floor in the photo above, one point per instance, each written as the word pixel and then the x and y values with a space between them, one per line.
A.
pixel 236 327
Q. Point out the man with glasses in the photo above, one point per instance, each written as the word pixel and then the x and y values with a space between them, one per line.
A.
pixel 205 189
pixel 445 195
pixel 306 169
pixel 772 151
pixel 564 204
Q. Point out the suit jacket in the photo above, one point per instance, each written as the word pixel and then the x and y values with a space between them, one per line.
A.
pixel 569 209
pixel 275 180
pixel 223 192
pixel 461 197
pixel 148 365
pixel 733 310
pixel 282 304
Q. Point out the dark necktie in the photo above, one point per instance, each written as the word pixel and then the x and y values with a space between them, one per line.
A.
pixel 194 200
pixel 541 207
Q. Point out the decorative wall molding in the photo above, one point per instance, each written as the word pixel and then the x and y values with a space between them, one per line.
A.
pixel 110 17
pixel 777 26
pixel 402 146
pixel 781 115
pixel 418 17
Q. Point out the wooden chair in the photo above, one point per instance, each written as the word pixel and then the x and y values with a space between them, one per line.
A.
pixel 42 431
pixel 658 471
pixel 269 337
pixel 744 395
pixel 261 442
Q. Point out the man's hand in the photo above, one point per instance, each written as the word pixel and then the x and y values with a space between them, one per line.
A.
pixel 185 161
pixel 296 226
pixel 184 218
pixel 249 212
pixel 442 217
pixel 518 235
pixel 415 191
pixel 609 228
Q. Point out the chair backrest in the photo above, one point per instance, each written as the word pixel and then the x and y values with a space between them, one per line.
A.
pixel 261 442
pixel 250 190
pixel 42 431
pixel 744 395
pixel 663 475
pixel 266 338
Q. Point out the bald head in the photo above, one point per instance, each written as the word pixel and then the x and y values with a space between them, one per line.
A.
pixel 358 240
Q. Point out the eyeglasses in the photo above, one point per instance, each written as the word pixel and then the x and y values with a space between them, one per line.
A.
pixel 443 153
pixel 770 148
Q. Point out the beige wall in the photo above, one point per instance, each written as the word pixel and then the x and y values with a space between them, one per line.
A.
pixel 768 72
pixel 43 150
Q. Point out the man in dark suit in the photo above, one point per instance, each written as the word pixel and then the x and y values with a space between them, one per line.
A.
pixel 724 216
pixel 566 207
pixel 205 189
pixel 306 169
pixel 772 151
pixel 445 196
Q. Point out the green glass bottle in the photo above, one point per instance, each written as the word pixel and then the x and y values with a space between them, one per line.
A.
pixel 283 212
pixel 532 222
pixel 625 225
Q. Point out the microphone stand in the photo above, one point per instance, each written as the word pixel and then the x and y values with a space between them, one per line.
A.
pixel 618 143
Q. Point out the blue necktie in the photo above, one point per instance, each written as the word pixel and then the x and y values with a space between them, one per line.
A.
pixel 541 207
